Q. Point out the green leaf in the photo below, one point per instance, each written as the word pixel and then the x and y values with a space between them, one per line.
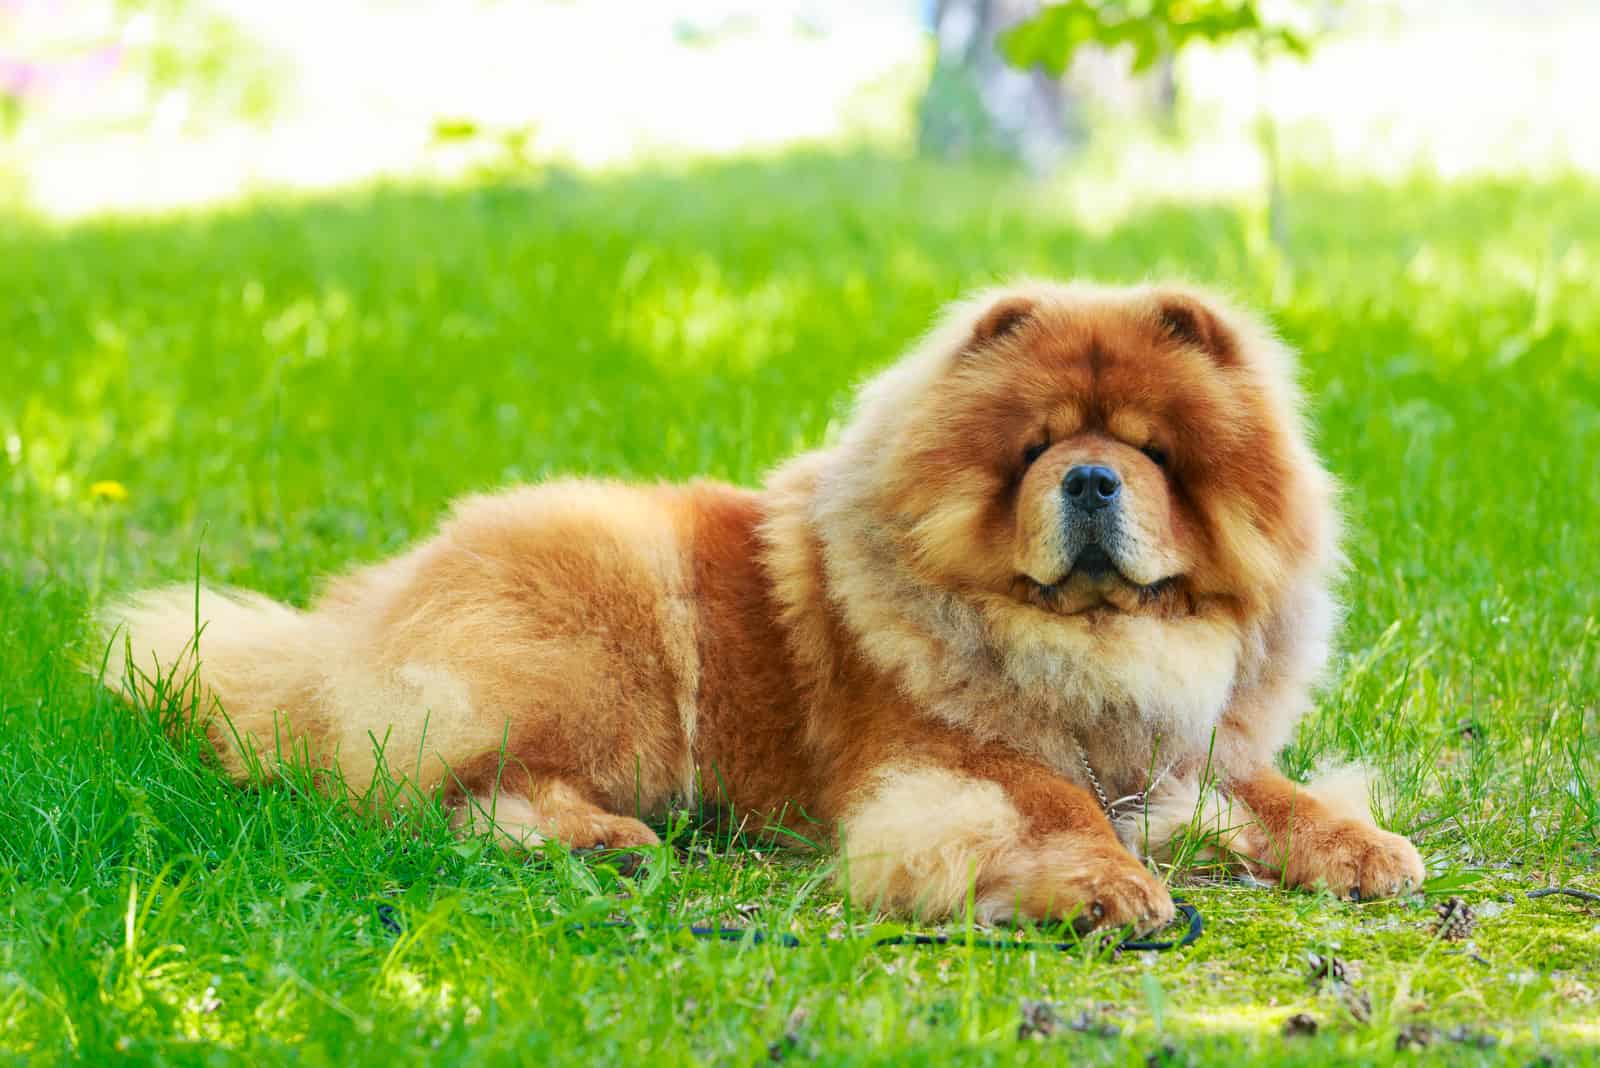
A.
pixel 1153 29
pixel 1451 881
pixel 454 130
pixel 1052 37
pixel 880 932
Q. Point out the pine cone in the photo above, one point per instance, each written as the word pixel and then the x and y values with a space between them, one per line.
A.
pixel 1331 968
pixel 1456 920
pixel 1039 1020
pixel 1358 1003
pixel 1414 1036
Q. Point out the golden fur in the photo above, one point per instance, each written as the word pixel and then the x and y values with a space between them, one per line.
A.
pixel 914 638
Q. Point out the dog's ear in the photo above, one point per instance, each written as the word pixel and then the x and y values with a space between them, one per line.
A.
pixel 1005 317
pixel 1188 320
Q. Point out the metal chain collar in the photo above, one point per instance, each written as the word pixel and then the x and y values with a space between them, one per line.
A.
pixel 1112 809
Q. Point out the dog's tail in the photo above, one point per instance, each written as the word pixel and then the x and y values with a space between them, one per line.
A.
pixel 248 668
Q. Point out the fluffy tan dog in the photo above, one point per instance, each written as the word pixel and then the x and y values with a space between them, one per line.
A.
pixel 1069 561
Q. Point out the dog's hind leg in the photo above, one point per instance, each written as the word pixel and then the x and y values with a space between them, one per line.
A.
pixel 551 808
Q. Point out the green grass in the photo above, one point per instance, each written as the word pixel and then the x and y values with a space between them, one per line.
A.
pixel 289 387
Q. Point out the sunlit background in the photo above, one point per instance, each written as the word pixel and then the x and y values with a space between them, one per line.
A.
pixel 110 105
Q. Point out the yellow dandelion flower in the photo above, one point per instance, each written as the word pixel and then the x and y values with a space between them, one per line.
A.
pixel 109 490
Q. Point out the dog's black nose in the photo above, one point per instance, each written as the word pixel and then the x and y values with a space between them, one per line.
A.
pixel 1090 487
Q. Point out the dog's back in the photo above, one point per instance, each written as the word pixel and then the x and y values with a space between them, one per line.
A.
pixel 535 628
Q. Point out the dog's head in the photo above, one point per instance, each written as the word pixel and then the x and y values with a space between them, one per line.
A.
pixel 1091 453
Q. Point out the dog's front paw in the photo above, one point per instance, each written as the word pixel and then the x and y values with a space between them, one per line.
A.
pixel 1091 882
pixel 1355 859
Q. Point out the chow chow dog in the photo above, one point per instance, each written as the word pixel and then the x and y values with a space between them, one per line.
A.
pixel 1058 593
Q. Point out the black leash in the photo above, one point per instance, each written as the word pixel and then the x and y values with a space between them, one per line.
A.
pixel 756 937
pixel 390 921
pixel 1581 895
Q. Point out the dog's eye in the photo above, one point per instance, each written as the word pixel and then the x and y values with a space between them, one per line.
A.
pixel 1157 454
pixel 1033 452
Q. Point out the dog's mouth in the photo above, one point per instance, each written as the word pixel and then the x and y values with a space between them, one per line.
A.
pixel 1093 563
pixel 1093 584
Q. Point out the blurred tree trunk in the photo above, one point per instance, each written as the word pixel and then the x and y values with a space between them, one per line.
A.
pixel 978 106
pixel 1166 93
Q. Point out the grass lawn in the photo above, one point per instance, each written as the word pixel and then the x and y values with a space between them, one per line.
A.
pixel 285 388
